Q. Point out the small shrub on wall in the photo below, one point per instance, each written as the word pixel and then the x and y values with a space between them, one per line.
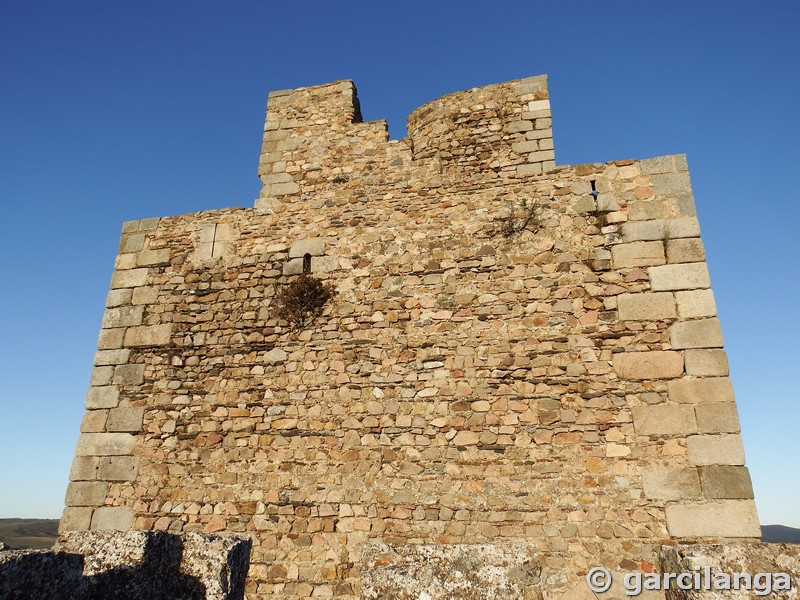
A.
pixel 301 301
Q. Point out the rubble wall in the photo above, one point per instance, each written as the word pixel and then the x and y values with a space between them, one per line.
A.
pixel 518 351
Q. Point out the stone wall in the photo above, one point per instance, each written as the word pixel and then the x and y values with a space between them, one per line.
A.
pixel 518 352
pixel 94 565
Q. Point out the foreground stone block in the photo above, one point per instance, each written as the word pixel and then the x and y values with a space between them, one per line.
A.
pixel 686 276
pixel 127 565
pixel 746 558
pixel 105 444
pixel 648 365
pixel 722 481
pixel 715 450
pixel 664 419
pixel 450 572
pixel 646 307
pixel 705 333
pixel 698 391
pixel 670 483
pixel 723 518
pixel 148 335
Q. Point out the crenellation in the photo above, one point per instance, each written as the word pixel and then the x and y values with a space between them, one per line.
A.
pixel 517 352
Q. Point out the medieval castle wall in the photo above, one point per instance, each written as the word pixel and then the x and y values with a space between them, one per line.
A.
pixel 519 352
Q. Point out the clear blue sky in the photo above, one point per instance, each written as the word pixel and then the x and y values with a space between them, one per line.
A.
pixel 112 111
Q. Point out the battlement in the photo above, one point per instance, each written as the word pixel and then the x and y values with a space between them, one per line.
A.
pixel 314 139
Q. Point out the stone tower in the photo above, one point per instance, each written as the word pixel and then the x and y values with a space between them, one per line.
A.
pixel 523 364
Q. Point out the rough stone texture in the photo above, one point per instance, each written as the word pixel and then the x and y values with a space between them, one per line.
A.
pixel 704 333
pixel 710 363
pixel 497 366
pixel 721 518
pixel 656 364
pixel 670 483
pixel 731 558
pixel 715 450
pixel 450 572
pixel 128 565
pixel 698 391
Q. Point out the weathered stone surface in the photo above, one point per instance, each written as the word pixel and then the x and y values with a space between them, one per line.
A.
pixel 129 278
pixel 717 417
pixel 117 468
pixel 112 518
pixel 698 391
pixel 132 564
pixel 721 518
pixel 660 229
pixel 696 304
pixel 104 396
pixel 129 374
pixel 455 572
pixel 686 276
pixel 638 254
pixel 746 558
pixel 664 419
pixel 703 333
pixel 313 246
pixel 149 335
pixel 86 493
pixel 670 483
pixel 74 518
pixel 726 481
pixel 105 444
pixel 715 450
pixel 685 250
pixel 706 363
pixel 84 468
pixel 125 419
pixel 646 307
pixel 656 364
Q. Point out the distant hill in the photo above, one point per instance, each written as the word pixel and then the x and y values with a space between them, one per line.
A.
pixel 28 533
pixel 780 533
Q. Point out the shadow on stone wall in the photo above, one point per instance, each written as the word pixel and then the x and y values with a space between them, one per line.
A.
pixel 128 566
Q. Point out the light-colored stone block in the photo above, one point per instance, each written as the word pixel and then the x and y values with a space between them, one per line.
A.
pixel 664 419
pixel 660 229
pixel 313 246
pixel 527 169
pixel 700 391
pixel 717 417
pixel 648 365
pixel 715 450
pixel 125 419
pixel 148 335
pixel 283 189
pixel 111 357
pixel 687 276
pixel 704 333
pixel 113 518
pixel 145 295
pixel 706 363
pixel 150 258
pixel 118 468
pixel 94 421
pixel 293 266
pixel 84 468
pixel 119 297
pixel 129 278
pixel 685 250
pixel 110 339
pixel 123 316
pixel 129 374
pixel 86 493
pixel 75 518
pixel 646 307
pixel 696 304
pixel 670 483
pixel 105 444
pixel 663 164
pixel 638 254
pixel 670 184
pixel 722 518
pixel 725 481
pixel 104 396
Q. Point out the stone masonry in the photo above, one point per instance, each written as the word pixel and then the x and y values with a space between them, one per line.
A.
pixel 519 353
